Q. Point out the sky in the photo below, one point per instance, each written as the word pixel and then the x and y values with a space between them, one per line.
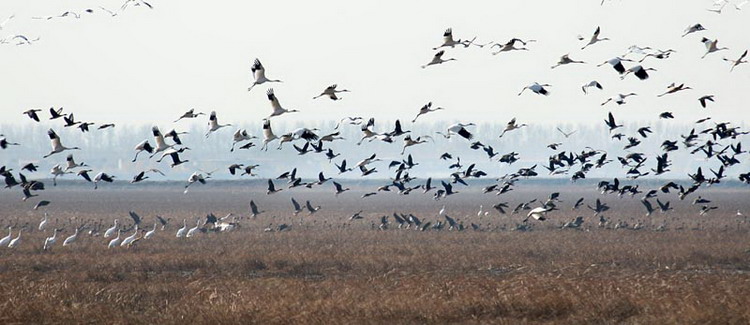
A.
pixel 149 66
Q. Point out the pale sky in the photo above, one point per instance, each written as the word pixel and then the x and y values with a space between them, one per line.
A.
pixel 149 66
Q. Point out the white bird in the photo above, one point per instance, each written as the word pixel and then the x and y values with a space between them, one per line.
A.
pixel 592 83
pixel 49 241
pixel 426 109
pixel 277 109
pixel 190 114
pixel 460 129
pixel 195 177
pixel 638 71
pixel 141 147
pixel 448 41
pixel 619 99
pixel 15 241
pixel 213 124
pixel 510 46
pixel 442 211
pixel 111 230
pixel 594 38
pixel 116 241
pixel 711 46
pixel 259 73
pixel 42 223
pixel 71 163
pixel 181 232
pixel 539 213
pixel 71 239
pixel 693 28
pixel 438 59
pixel 616 64
pixel 331 92
pixel 537 89
pixel 56 171
pixel 102 176
pixel 161 145
pixel 239 136
pixel 408 142
pixel 57 146
pixel 268 135
pixel 511 125
pixel 150 233
pixel 192 231
pixel 738 61
pixel 5 240
pixel 129 240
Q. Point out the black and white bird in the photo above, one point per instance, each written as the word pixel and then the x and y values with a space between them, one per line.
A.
pixel 460 129
pixel 638 71
pixel 448 40
pixel 259 74
pixel 594 38
pixel 565 59
pixel 510 126
pixel 331 92
pixel 213 124
pixel 711 46
pixel 536 88
pixel 693 28
pixel 141 147
pixel 616 64
pixel 57 146
pixel 438 59
pixel 673 88
pixel 619 99
pixel 277 109
pixel 590 84
pixel 272 188
pixel 511 46
pixel 737 62
pixel 239 136
pixel 189 114
pixel 426 109
pixel 102 177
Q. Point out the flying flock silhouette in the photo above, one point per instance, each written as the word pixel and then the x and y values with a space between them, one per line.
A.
pixel 712 142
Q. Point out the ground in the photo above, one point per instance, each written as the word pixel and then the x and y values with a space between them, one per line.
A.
pixel 327 269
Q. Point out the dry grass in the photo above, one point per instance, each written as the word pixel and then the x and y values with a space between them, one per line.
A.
pixel 322 273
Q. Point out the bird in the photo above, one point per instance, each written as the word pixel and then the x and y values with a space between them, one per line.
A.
pixel 705 99
pixel 57 146
pixel 735 63
pixel 510 46
pixel 438 59
pixel 539 214
pixel 191 231
pixel 41 203
pixel 71 163
pixel 711 46
pixel 331 92
pixel 111 230
pixel 150 233
pixel 271 188
pixel 610 121
pixel 592 83
pixel 693 28
pixel 619 99
pixel 15 242
pixel 189 114
pixel 6 240
pixel 195 177
pixel 277 109
pixel 4 143
pixel 448 40
pixel 254 209
pixel 672 88
pixel 49 241
pixel 259 74
pixel 161 145
pixel 181 232
pixel 130 239
pixel 102 176
pixel 340 189
pixel 537 89
pixel 71 239
pixel 566 134
pixel 115 241
pixel 31 113
pixel 424 110
pixel 638 71
pixel 616 63
pixel 408 142
pixel 510 126
pixel 460 129
pixel 175 156
pixel 105 126
pixel 56 113
pixel 213 124
pixel 594 38
pixel 239 136
pixel 565 59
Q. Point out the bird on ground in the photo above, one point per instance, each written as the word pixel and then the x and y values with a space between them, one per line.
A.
pixel 191 232
pixel 438 59
pixel 6 240
pixel 15 242
pixel 182 231
pixel 130 239
pixel 49 241
pixel 71 239
pixel 150 233
pixel 331 92
pixel 259 74
pixel 57 146
pixel 115 241
pixel 42 223
pixel 277 109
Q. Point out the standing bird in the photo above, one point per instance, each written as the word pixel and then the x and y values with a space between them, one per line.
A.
pixel 57 146
pixel 15 241
pixel 536 88
pixel 738 61
pixel 71 239
pixel 331 92
pixel 181 232
pixel 115 241
pixel 424 110
pixel 594 38
pixel 438 59
pixel 277 109
pixel 711 46
pixel 259 74
pixel 6 240
pixel 49 241
pixel 213 124
pixel 111 230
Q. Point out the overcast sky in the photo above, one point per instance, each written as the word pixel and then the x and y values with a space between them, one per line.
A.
pixel 149 66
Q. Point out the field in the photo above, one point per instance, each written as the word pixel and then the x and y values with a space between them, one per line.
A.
pixel 328 270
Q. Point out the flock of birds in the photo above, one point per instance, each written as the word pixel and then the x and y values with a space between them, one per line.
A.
pixel 718 141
